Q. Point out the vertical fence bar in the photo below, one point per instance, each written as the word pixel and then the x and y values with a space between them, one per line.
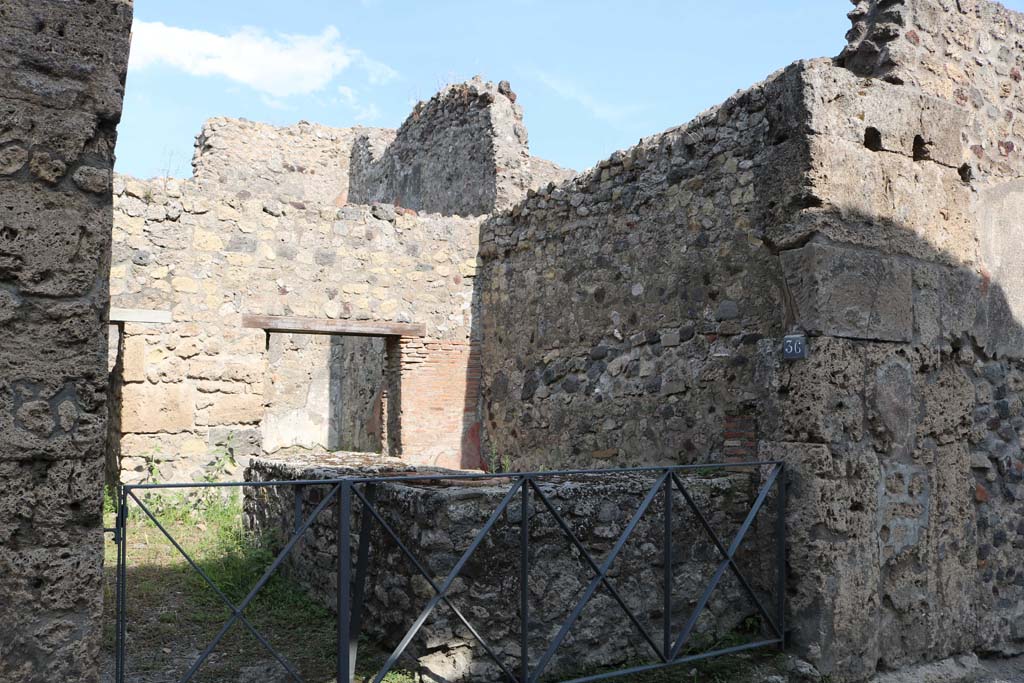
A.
pixel 344 580
pixel 780 555
pixel 667 576
pixel 359 593
pixel 524 584
pixel 121 578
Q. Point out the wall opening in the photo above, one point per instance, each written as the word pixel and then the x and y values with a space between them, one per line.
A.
pixel 873 139
pixel 325 392
pixel 921 151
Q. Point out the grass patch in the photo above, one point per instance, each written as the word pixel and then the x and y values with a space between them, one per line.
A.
pixel 173 614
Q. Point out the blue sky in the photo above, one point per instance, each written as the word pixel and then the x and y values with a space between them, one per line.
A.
pixel 593 76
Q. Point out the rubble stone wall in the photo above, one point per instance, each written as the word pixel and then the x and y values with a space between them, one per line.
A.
pixel 462 152
pixel 61 88
pixel 623 314
pixel 209 256
pixel 634 316
pixel 437 521
pixel 963 51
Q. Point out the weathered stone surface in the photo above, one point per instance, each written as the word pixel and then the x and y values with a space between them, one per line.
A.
pixel 851 293
pixel 462 152
pixel 149 408
pixel 60 100
pixel 306 162
pixel 437 521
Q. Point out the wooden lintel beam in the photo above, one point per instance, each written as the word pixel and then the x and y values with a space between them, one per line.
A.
pixel 361 328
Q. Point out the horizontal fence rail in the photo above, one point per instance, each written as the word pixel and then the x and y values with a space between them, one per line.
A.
pixel 667 647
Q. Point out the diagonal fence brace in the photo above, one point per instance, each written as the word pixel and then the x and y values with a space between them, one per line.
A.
pixel 717 576
pixel 449 580
pixel 596 581
pixel 425 573
pixel 220 594
pixel 259 584
pixel 597 571
pixel 725 555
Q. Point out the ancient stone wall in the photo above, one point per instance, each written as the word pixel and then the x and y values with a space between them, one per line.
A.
pixel 209 256
pixel 462 152
pixel 963 51
pixel 305 162
pixel 61 88
pixel 437 521
pixel 635 316
pixel 622 314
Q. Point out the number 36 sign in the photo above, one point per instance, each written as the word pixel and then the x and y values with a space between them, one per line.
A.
pixel 794 347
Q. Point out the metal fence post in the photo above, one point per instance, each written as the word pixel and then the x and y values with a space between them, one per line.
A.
pixel 344 581
pixel 120 577
pixel 524 584
pixel 667 576
pixel 362 562
pixel 780 557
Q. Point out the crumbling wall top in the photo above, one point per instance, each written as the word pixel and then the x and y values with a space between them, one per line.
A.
pixel 305 162
pixel 464 151
pixel 963 51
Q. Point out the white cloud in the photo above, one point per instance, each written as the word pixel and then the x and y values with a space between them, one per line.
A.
pixel 347 94
pixel 362 112
pixel 368 112
pixel 376 72
pixel 605 111
pixel 278 66
pixel 274 103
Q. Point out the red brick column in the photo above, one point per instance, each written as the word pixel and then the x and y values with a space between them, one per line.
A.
pixel 740 438
pixel 439 384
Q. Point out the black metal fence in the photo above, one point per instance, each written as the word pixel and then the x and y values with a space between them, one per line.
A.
pixel 352 581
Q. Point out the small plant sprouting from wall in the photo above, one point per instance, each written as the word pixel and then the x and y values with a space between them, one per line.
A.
pixel 152 466
pixel 497 464
pixel 223 460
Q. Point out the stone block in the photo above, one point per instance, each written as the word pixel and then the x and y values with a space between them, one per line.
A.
pixel 227 409
pixel 134 360
pixel 847 292
pixel 148 408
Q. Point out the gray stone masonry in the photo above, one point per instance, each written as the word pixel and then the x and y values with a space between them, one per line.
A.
pixel 462 152
pixel 437 521
pixel 62 69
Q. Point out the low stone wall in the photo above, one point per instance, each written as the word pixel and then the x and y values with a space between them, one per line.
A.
pixel 437 521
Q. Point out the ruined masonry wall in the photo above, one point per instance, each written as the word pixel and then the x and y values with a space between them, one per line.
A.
pixel 438 521
pixel 633 316
pixel 462 152
pixel 61 88
pixel 305 162
pixel 209 256
pixel 963 51
pixel 624 314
